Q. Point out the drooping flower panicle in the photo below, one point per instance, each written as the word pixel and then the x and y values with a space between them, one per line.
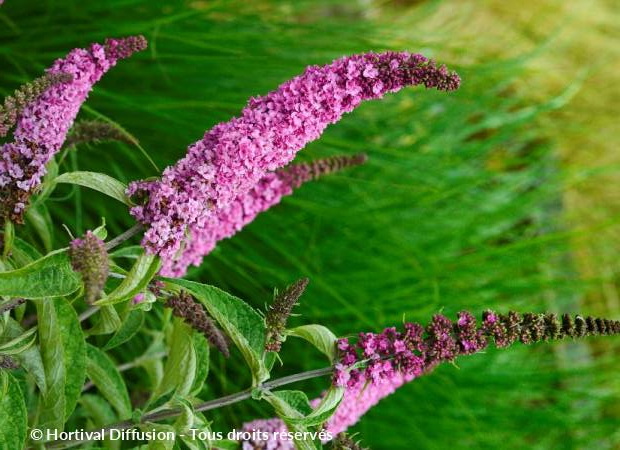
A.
pixel 42 125
pixel 183 305
pixel 376 365
pixel 93 131
pixel 279 312
pixel 392 358
pixel 14 104
pixel 89 257
pixel 234 156
pixel 244 209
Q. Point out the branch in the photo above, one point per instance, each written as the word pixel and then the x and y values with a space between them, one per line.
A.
pixel 205 406
pixel 124 236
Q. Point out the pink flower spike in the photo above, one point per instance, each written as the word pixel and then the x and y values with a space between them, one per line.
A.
pixel 237 156
pixel 43 125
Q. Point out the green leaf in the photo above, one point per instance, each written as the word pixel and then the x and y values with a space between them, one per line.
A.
pixel 319 336
pixel 63 351
pixel 239 320
pixel 131 252
pixel 8 238
pixel 29 359
pixel 23 253
pixel 135 281
pixel 101 232
pixel 130 326
pixel 50 276
pixel 98 410
pixel 109 321
pixel 99 413
pixel 99 182
pixel 106 377
pixel 39 217
pixel 292 405
pixel 201 347
pixel 14 416
pixel 19 344
pixel 167 431
pixel 180 367
pixel 323 411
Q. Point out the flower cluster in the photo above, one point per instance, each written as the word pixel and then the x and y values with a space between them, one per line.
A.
pixel 181 210
pixel 392 358
pixel 193 313
pixel 265 435
pixel 42 125
pixel 268 436
pixel 377 364
pixel 268 192
pixel 14 104
pixel 89 256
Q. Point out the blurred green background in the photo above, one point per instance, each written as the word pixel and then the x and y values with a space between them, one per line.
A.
pixel 501 195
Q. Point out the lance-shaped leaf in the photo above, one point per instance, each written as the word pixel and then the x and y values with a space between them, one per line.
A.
pixel 180 368
pixel 30 358
pixel 142 272
pixel 63 351
pixel 19 344
pixel 323 411
pixel 106 377
pixel 239 320
pixel 50 276
pixel 99 182
pixel 319 336
pixel 14 416
pixel 130 326
pixel 292 405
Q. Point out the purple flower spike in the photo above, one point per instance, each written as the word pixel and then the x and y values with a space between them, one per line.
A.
pixel 268 192
pixel 43 124
pixel 233 157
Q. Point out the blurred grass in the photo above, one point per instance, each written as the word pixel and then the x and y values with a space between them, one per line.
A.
pixel 498 196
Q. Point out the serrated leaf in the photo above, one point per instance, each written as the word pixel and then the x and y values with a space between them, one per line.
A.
pixel 180 367
pixel 319 336
pixel 106 377
pixel 239 320
pixel 50 276
pixel 136 280
pixel 99 182
pixel 129 327
pixel 63 352
pixel 14 417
